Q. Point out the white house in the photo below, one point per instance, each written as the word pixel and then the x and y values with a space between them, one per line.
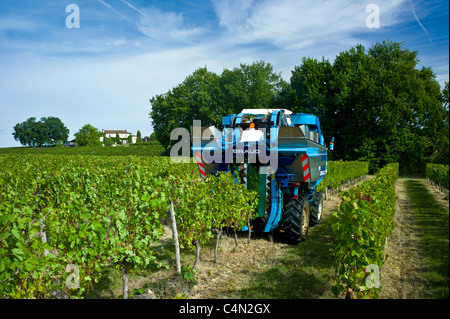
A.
pixel 123 135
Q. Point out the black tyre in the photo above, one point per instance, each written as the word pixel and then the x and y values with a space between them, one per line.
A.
pixel 316 210
pixel 295 223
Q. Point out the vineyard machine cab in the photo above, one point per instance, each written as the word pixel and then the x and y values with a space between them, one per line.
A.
pixel 280 154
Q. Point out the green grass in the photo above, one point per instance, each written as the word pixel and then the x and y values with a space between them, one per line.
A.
pixel 303 272
pixel 432 226
pixel 110 285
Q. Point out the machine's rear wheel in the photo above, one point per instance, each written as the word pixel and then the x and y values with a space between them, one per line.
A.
pixel 316 210
pixel 295 223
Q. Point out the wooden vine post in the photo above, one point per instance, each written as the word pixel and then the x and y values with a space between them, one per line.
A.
pixel 175 237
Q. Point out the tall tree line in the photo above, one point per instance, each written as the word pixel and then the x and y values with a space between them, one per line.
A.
pixel 376 102
pixel 207 96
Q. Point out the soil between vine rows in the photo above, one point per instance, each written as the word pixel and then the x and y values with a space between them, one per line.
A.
pixel 265 269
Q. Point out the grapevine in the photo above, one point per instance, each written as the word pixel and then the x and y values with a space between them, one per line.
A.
pixel 360 226
pixel 438 173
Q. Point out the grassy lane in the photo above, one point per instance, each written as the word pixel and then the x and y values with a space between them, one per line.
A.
pixel 301 272
pixel 433 229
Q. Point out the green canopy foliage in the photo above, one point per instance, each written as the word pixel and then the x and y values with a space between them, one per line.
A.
pixel 207 96
pixel 88 136
pixel 377 103
pixel 47 131
pixel 379 106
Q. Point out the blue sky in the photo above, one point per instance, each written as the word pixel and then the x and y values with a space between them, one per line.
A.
pixel 127 51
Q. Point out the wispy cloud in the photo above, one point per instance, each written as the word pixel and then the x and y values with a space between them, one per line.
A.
pixel 233 14
pixel 114 10
pixel 293 24
pixel 418 21
pixel 135 9
pixel 119 42
pixel 156 24
pixel 168 27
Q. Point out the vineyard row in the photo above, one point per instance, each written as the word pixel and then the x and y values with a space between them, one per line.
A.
pixel 360 227
pixel 63 219
pixel 438 174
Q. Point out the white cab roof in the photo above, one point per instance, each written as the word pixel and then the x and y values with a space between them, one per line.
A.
pixel 264 111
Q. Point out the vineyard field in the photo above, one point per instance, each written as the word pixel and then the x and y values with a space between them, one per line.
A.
pixel 86 211
pixel 147 149
pixel 66 219
pixel 340 172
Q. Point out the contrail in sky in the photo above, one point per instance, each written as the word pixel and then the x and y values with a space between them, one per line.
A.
pixel 135 9
pixel 119 13
pixel 418 21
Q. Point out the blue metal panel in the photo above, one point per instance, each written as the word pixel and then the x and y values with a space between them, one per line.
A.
pixel 226 120
pixel 276 206
pixel 274 117
pixel 239 118
pixel 306 119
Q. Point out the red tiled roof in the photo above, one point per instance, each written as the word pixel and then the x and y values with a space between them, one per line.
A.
pixel 115 132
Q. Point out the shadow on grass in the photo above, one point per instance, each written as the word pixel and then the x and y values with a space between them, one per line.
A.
pixel 110 282
pixel 303 272
pixel 433 228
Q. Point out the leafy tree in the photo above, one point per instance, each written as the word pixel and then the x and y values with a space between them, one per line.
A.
pixel 197 98
pixel 285 98
pixel 250 87
pixel 402 96
pixel 107 141
pixel 207 96
pixel 34 133
pixel 138 137
pixel 445 96
pixel 88 136
pixel 26 132
pixel 311 84
pixel 118 140
pixel 379 106
pixel 405 105
pixel 442 144
pixel 55 130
